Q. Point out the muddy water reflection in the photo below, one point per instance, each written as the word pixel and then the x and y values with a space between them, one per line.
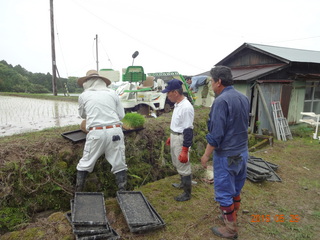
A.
pixel 18 115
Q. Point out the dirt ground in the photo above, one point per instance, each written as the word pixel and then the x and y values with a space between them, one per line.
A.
pixel 270 210
pixel 288 209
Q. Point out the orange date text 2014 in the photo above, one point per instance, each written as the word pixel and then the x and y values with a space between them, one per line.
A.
pixel 256 218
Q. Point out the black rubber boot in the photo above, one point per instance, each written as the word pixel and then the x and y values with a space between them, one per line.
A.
pixel 121 180
pixel 81 179
pixel 178 185
pixel 186 195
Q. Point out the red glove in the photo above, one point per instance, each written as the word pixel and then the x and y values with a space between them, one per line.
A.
pixel 183 157
pixel 168 142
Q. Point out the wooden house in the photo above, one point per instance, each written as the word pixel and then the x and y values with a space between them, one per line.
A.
pixel 269 73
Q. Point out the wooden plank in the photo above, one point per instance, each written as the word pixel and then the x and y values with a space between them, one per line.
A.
pixel 253 109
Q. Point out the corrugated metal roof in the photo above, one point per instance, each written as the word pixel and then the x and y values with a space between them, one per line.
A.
pixel 286 55
pixel 275 81
pixel 251 73
pixel 309 75
pixel 291 54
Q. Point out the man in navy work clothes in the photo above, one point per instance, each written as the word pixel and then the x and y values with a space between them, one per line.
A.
pixel 198 81
pixel 228 139
pixel 103 111
pixel 181 136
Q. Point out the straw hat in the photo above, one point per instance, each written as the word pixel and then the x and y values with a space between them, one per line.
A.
pixel 92 74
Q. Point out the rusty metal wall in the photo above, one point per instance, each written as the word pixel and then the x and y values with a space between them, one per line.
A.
pixel 285 98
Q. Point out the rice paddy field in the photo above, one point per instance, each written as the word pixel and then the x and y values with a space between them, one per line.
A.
pixel 20 114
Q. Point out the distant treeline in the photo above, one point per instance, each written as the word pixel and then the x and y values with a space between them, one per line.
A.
pixel 18 79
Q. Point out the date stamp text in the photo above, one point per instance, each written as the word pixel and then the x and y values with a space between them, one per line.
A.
pixel 256 218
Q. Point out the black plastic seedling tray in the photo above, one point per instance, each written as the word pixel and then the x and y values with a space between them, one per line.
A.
pixel 138 212
pixel 257 169
pixel 265 164
pixel 110 236
pixel 79 135
pixel 136 208
pixel 151 227
pixel 90 228
pixel 260 163
pixel 75 136
pixel 88 209
pixel 256 177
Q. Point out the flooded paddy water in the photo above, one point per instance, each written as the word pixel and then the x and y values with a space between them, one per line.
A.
pixel 19 115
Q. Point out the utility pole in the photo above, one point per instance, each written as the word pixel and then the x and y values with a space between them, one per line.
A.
pixel 53 52
pixel 97 52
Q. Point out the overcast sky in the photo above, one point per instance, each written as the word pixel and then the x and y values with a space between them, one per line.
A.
pixel 171 35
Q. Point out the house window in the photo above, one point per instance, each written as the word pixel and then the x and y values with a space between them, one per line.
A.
pixel 312 97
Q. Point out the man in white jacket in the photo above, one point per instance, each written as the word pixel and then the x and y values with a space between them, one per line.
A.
pixel 103 111
pixel 181 136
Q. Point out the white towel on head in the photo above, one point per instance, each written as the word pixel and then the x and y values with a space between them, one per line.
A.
pixel 94 84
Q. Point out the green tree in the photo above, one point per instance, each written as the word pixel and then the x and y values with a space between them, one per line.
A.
pixel 18 79
pixel 22 71
pixel 73 86
pixel 23 86
pixel 9 78
pixel 42 79
pixel 37 88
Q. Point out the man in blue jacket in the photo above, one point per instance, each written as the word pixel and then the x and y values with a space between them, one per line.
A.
pixel 228 139
pixel 199 81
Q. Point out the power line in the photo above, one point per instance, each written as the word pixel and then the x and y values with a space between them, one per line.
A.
pixel 138 40
pixel 64 62
pixel 106 54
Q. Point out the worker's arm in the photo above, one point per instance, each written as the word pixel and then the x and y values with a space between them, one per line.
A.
pixel 119 107
pixel 193 86
pixel 206 156
pixel 81 109
pixel 187 142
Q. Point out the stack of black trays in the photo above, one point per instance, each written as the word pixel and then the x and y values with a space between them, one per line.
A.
pixel 138 212
pixel 88 217
pixel 259 170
